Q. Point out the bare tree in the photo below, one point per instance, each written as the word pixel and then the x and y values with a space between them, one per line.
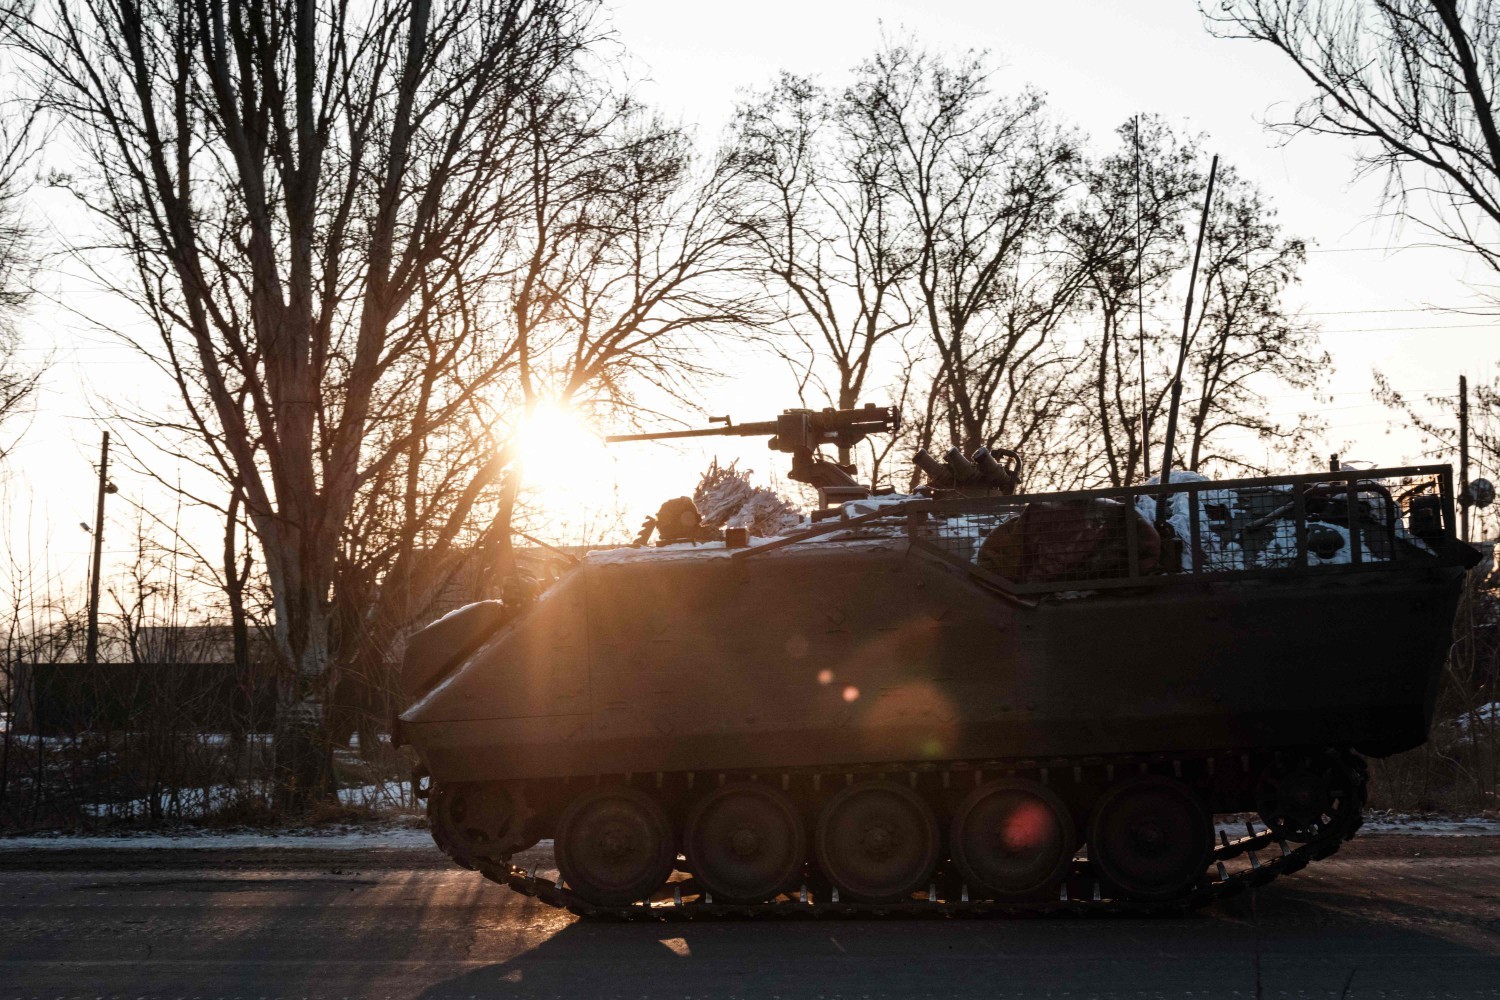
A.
pixel 1413 83
pixel 1126 230
pixel 610 256
pixel 1433 416
pixel 295 183
pixel 833 236
pixel 619 260
pixel 18 379
pixel 1129 235
pixel 631 260
pixel 982 179
pixel 1246 340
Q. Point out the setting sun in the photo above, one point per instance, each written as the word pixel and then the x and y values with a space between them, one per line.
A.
pixel 559 450
pixel 582 489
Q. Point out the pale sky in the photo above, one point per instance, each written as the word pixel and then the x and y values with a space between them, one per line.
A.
pixel 1099 63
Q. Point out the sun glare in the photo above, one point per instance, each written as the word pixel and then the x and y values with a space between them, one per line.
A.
pixel 560 452
pixel 581 490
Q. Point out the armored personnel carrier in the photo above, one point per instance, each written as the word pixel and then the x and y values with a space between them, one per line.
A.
pixel 955 701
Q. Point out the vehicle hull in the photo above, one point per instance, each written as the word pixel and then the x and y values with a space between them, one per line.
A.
pixel 865 652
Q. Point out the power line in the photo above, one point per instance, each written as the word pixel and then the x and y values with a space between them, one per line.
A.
pixel 1417 309
pixel 1419 329
pixel 1409 246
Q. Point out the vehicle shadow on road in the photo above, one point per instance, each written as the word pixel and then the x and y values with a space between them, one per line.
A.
pixel 1323 943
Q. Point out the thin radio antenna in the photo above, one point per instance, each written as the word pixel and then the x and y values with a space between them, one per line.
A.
pixel 1163 499
pixel 1140 310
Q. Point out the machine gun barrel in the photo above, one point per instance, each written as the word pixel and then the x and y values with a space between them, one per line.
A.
pixel 800 433
pixel 761 429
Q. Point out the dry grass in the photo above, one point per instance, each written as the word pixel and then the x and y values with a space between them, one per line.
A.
pixel 1458 769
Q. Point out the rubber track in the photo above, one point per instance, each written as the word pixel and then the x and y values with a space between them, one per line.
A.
pixel 1218 884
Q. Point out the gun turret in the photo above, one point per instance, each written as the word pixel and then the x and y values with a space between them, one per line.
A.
pixel 800 433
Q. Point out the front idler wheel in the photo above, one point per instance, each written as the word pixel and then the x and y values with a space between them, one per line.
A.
pixel 1300 798
pixel 614 846
pixel 746 843
pixel 1150 837
pixel 479 823
pixel 877 842
pixel 1012 839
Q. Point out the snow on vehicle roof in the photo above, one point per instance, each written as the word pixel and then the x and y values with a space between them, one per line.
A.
pixel 687 551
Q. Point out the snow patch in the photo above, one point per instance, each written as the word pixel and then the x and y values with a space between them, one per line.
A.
pixel 1419 825
pixel 675 551
pixel 1382 824
pixel 1485 714
pixel 346 839
pixel 1282 549
pixel 716 550
pixel 869 505
pixel 192 803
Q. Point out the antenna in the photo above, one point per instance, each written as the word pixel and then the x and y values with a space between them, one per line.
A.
pixel 1162 500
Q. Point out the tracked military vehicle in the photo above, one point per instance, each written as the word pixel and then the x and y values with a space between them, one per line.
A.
pixel 957 701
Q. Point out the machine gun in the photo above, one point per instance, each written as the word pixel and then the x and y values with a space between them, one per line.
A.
pixel 800 433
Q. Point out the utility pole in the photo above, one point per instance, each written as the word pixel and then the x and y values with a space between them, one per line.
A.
pixel 91 650
pixel 1465 501
pixel 1140 310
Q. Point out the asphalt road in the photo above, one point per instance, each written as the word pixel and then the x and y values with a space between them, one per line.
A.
pixel 1389 917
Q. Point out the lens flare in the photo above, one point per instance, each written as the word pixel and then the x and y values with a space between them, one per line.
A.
pixel 1027 826
pixel 558 448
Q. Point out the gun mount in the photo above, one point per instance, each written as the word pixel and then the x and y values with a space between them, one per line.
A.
pixel 800 433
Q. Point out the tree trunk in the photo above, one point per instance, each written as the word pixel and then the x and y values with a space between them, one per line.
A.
pixel 303 757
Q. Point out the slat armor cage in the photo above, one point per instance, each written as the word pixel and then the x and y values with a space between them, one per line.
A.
pixel 1085 540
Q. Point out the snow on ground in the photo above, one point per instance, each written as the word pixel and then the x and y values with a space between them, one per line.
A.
pixel 1424 825
pixel 188 803
pixel 1385 824
pixel 336 838
pixel 1486 713
pixel 203 739
pixel 396 791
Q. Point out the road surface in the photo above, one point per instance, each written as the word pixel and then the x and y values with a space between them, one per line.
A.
pixel 1390 917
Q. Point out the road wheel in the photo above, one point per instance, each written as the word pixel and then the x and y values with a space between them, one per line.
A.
pixel 1150 837
pixel 614 846
pixel 745 843
pixel 877 841
pixel 1012 839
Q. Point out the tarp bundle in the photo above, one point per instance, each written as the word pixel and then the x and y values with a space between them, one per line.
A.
pixel 1069 540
